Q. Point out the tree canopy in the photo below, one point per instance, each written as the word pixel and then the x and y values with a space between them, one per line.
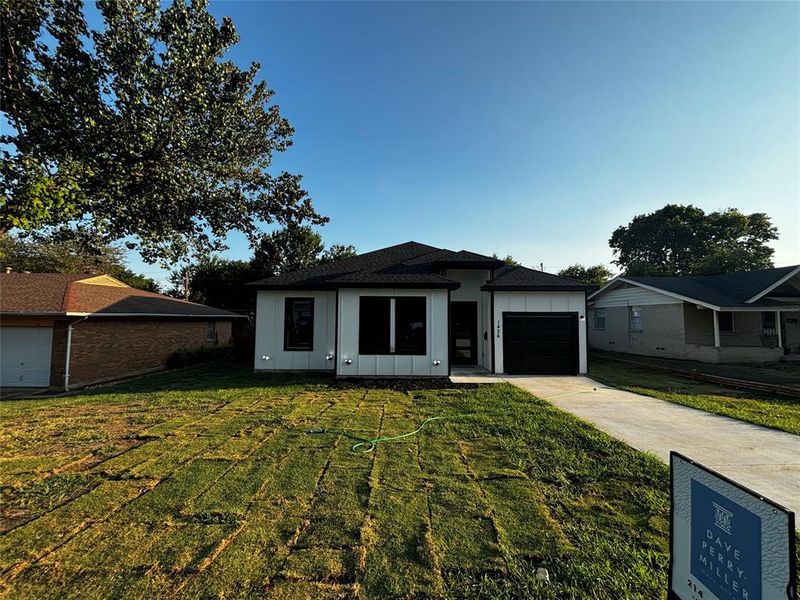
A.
pixel 596 274
pixel 685 240
pixel 509 260
pixel 140 130
pixel 65 251
pixel 220 282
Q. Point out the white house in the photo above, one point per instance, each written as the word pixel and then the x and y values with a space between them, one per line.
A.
pixel 751 316
pixel 414 310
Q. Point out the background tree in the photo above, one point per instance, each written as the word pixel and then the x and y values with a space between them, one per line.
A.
pixel 684 240
pixel 596 274
pixel 338 252
pixel 288 249
pixel 139 130
pixel 509 260
pixel 217 282
pixel 67 251
pixel 220 282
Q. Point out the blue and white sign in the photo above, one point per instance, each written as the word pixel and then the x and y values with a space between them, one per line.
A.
pixel 727 542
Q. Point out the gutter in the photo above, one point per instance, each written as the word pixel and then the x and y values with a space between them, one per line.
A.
pixel 69 351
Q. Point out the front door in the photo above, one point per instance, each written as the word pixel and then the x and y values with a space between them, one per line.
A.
pixel 464 333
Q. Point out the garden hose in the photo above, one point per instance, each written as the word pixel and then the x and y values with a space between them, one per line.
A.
pixel 368 444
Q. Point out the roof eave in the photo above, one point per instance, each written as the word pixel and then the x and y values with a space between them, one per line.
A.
pixel 537 288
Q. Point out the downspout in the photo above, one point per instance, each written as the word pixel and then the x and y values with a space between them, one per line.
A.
pixel 69 351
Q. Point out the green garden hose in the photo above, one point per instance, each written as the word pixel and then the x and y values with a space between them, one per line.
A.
pixel 368 444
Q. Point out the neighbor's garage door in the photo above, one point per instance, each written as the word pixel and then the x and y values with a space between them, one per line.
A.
pixel 540 343
pixel 25 356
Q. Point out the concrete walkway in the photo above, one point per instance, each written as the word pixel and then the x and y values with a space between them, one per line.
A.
pixel 765 460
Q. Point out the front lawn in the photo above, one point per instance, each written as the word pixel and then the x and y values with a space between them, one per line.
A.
pixel 205 483
pixel 770 411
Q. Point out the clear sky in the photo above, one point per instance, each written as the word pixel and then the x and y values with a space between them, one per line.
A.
pixel 533 129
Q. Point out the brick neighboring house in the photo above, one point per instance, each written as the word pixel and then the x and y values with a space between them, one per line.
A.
pixel 63 330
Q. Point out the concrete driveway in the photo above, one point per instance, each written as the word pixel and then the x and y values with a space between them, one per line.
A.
pixel 765 460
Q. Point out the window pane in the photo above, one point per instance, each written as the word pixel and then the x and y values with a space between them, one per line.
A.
pixel 299 324
pixel 600 318
pixel 409 326
pixel 635 318
pixel 726 322
pixel 373 325
pixel 211 331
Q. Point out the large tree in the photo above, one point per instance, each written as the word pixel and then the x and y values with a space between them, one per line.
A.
pixel 288 249
pixel 685 240
pixel 66 251
pixel 595 274
pixel 139 130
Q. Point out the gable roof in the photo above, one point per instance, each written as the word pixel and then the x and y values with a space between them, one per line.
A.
pixel 81 295
pixel 408 265
pixel 508 278
pixel 729 290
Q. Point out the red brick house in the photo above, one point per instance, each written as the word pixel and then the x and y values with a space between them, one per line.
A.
pixel 63 330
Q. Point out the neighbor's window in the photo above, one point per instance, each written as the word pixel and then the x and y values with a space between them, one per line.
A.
pixel 211 331
pixel 768 324
pixel 634 318
pixel 376 316
pixel 298 330
pixel 409 324
pixel 725 322
pixel 599 318
pixel 374 323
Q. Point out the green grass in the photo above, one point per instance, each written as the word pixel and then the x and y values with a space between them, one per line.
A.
pixel 205 483
pixel 770 411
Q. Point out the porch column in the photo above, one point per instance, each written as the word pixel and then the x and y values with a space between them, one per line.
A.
pixel 716 329
pixel 778 327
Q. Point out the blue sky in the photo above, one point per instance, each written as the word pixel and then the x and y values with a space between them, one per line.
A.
pixel 530 128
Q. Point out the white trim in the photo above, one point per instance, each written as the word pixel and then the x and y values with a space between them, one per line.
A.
pixel 782 280
pixel 778 328
pixel 716 330
pixel 672 294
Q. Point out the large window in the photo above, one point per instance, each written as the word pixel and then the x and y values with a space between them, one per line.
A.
pixel 599 318
pixel 725 321
pixel 392 325
pixel 374 319
pixel 634 318
pixel 298 331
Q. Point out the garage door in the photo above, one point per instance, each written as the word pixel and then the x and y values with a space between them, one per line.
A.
pixel 540 343
pixel 25 356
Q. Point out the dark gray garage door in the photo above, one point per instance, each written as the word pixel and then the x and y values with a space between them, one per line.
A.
pixel 540 343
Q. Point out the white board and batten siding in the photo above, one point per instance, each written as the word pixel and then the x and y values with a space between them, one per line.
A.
pixel 628 295
pixel 436 344
pixel 539 302
pixel 270 306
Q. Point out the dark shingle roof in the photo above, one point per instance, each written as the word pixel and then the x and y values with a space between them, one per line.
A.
pixel 62 293
pixel 510 278
pixel 729 289
pixel 409 265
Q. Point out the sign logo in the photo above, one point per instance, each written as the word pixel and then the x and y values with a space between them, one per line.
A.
pixel 723 518
pixel 725 559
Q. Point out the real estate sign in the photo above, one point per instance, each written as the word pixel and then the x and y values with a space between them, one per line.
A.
pixel 727 542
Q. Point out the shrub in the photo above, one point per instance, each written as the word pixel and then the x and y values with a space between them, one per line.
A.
pixel 195 356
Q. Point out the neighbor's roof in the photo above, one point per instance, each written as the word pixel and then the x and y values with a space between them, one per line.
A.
pixel 412 265
pixel 508 278
pixel 730 290
pixel 80 295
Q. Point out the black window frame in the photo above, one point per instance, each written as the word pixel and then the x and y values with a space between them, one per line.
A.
pixel 380 345
pixel 288 309
pixel 767 329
